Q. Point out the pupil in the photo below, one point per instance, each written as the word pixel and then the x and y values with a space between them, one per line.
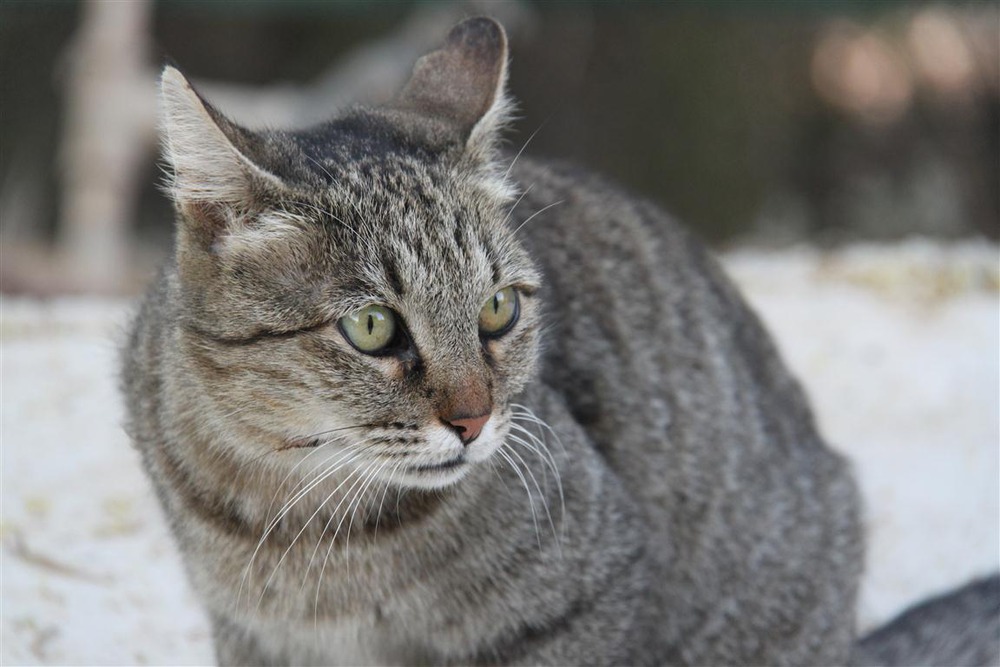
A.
pixel 496 304
pixel 371 324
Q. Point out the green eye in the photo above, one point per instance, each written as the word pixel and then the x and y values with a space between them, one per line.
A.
pixel 499 313
pixel 370 329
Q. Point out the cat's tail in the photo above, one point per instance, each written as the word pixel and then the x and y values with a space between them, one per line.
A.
pixel 955 629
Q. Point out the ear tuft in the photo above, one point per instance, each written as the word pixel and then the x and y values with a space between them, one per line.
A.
pixel 214 183
pixel 199 144
pixel 463 81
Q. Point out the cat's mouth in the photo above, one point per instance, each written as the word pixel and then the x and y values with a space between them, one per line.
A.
pixel 304 442
pixel 450 464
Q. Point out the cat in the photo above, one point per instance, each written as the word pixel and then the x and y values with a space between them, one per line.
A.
pixel 408 399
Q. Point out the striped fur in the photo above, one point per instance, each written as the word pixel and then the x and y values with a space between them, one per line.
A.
pixel 649 489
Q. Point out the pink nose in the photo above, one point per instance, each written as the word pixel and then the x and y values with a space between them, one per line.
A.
pixel 468 428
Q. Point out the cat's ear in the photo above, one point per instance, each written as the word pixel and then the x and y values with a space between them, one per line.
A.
pixel 464 82
pixel 215 182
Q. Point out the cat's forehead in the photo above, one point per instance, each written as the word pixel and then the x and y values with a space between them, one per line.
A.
pixel 394 183
pixel 391 212
pixel 407 221
pixel 371 143
pixel 397 199
pixel 423 234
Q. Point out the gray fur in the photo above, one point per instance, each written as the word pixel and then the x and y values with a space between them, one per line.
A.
pixel 960 628
pixel 650 488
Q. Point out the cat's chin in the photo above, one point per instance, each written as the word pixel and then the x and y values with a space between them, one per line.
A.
pixel 429 478
pixel 448 471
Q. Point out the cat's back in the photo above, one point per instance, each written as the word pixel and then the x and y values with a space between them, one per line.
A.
pixel 681 390
pixel 647 335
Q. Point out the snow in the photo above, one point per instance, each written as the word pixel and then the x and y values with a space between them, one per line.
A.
pixel 897 346
pixel 899 350
pixel 90 574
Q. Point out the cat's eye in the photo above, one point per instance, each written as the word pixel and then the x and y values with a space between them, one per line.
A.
pixel 370 329
pixel 499 313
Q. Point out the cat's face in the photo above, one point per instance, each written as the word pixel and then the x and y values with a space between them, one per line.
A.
pixel 388 312
pixel 356 287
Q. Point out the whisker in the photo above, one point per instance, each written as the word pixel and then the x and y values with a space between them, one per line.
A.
pixel 324 169
pixel 357 209
pixel 370 473
pixel 237 411
pixel 535 445
pixel 514 161
pixel 542 449
pixel 269 526
pixel 494 468
pixel 541 495
pixel 345 452
pixel 336 430
pixel 346 447
pixel 281 484
pixel 244 465
pixel 399 495
pixel 511 211
pixel 355 451
pixel 295 539
pixel 547 463
pixel 356 506
pixel 353 203
pixel 538 212
pixel 524 482
pixel 333 515
pixel 388 482
pixel 350 456
pixel 331 215
pixel 348 498
pixel 526 412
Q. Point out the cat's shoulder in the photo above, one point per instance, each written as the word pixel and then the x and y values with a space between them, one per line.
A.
pixel 565 204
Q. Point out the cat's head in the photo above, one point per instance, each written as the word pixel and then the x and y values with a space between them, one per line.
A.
pixel 357 283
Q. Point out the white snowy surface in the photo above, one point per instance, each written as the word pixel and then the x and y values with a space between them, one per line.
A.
pixel 897 346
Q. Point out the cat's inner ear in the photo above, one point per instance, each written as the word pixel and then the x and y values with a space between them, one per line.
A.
pixel 463 82
pixel 215 183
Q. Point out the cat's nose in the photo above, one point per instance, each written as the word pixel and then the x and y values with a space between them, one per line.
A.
pixel 467 428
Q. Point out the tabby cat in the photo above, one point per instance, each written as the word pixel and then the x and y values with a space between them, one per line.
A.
pixel 407 399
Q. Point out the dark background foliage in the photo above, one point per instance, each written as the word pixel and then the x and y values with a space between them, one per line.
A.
pixel 769 122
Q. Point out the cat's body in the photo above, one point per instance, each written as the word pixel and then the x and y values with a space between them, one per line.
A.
pixel 684 510
pixel 711 520
pixel 680 391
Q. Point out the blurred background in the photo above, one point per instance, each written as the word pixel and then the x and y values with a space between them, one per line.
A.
pixel 767 123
